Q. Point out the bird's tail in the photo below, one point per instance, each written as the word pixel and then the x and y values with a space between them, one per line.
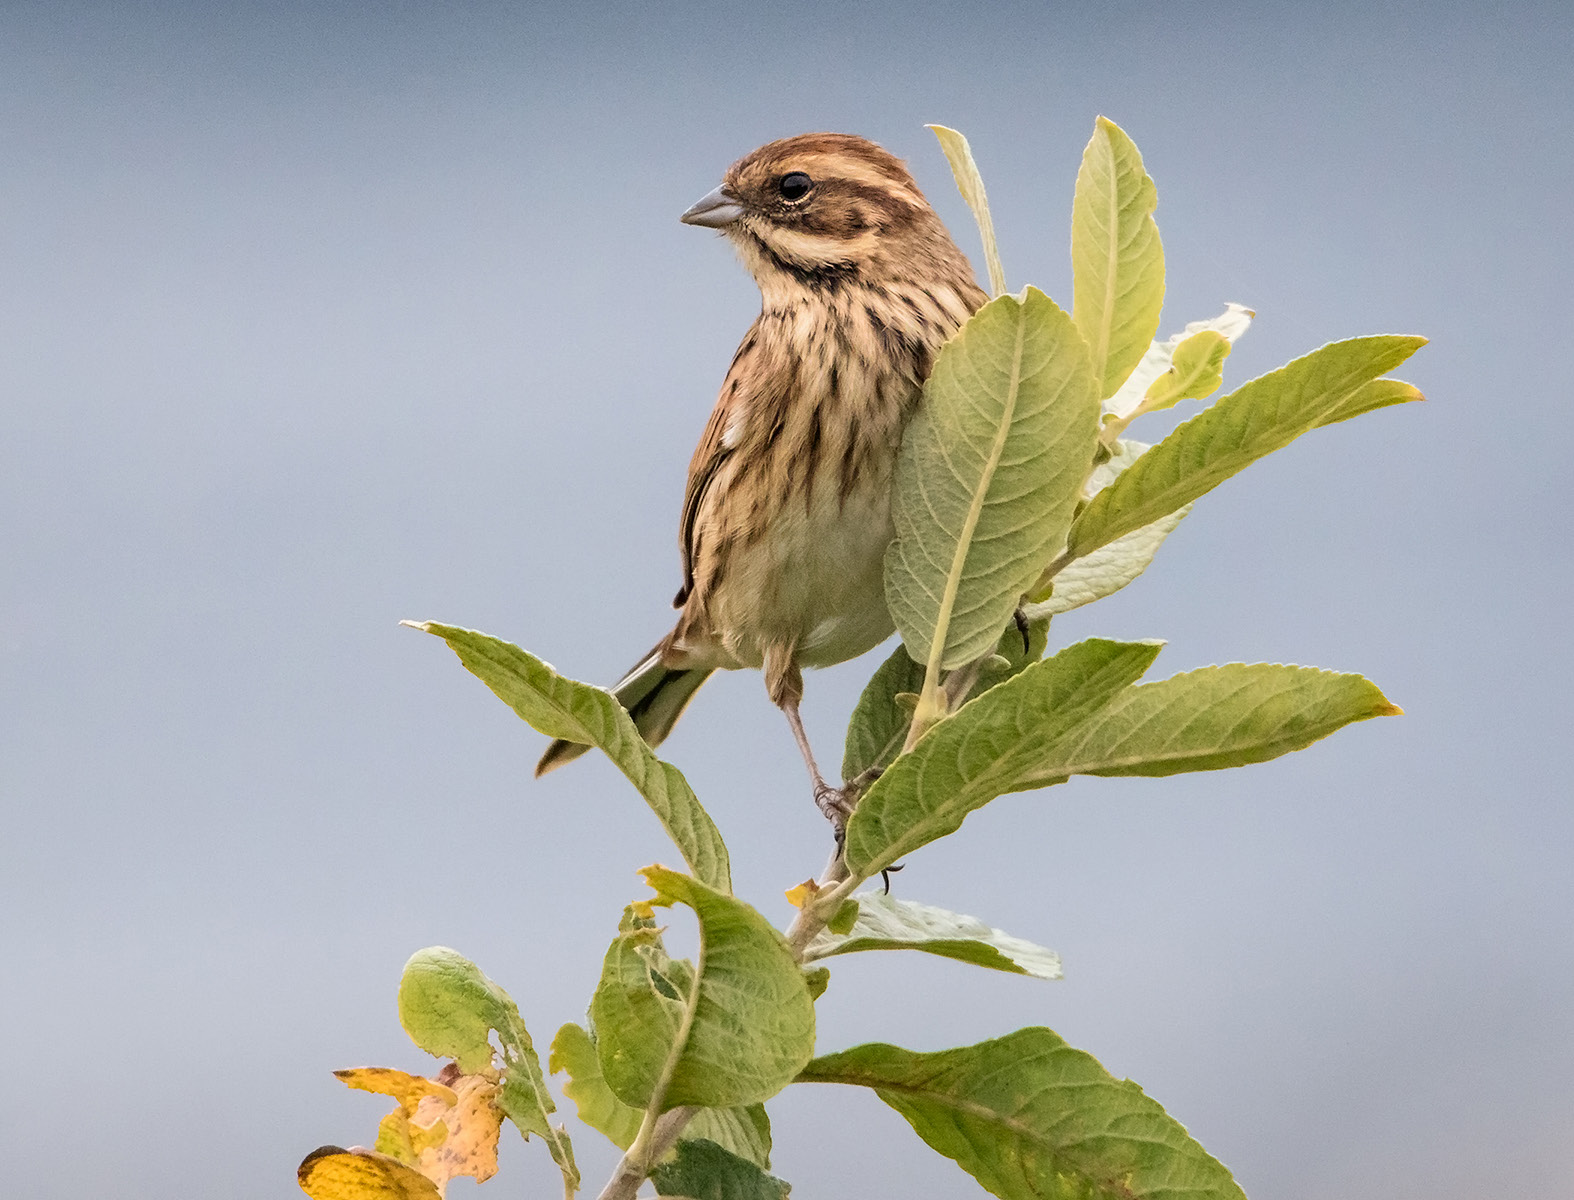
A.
pixel 655 695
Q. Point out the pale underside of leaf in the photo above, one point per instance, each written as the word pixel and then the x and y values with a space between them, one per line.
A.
pixel 1106 570
pixel 565 708
pixel 988 476
pixel 1116 256
pixel 971 184
pixel 1235 320
pixel 886 923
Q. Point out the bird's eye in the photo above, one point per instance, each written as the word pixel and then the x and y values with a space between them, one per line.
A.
pixel 795 185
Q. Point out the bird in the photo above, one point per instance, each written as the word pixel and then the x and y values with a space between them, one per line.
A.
pixel 787 510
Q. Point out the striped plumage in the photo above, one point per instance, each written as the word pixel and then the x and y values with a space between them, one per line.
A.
pixel 786 517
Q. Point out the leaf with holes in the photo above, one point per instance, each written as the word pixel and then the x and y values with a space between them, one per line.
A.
pixel 731 1031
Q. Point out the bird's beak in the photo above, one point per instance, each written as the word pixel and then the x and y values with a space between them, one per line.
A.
pixel 714 210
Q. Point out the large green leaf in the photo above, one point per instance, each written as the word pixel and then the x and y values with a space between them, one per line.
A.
pixel 451 1009
pixel 703 1170
pixel 742 1131
pixel 1212 718
pixel 565 708
pixel 971 184
pixel 986 748
pixel 731 1031
pixel 1074 714
pixel 886 923
pixel 1117 260
pixel 1266 414
pixel 1112 567
pixel 1031 1118
pixel 988 476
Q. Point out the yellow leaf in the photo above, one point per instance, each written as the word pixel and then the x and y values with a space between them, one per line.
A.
pixel 333 1173
pixel 474 1125
pixel 441 1131
pixel 802 894
pixel 408 1089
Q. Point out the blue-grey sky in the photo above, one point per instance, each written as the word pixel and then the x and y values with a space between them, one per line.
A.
pixel 314 317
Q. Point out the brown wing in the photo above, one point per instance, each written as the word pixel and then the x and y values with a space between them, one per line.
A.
pixel 709 457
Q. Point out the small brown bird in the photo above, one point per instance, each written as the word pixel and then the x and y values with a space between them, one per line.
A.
pixel 787 513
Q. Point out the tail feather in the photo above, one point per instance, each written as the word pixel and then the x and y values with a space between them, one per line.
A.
pixel 654 696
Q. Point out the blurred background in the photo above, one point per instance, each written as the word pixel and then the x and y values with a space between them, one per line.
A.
pixel 319 316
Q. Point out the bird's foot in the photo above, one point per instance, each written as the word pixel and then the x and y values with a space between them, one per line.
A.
pixel 837 804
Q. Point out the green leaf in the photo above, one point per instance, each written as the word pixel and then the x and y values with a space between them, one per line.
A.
pixel 1013 654
pixel 1112 567
pixel 1235 320
pixel 818 979
pixel 988 477
pixel 574 1051
pixel 1213 718
pixel 1266 414
pixel 702 1170
pixel 566 708
pixel 879 722
pixel 1117 260
pixel 743 1131
pixel 450 1009
pixel 1196 372
pixel 971 184
pixel 638 1007
pixel 1031 1118
pixel 1380 393
pixel 986 748
pixel 886 923
pixel 733 1031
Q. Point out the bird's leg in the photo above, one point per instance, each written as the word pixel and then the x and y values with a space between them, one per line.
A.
pixel 833 802
pixel 784 682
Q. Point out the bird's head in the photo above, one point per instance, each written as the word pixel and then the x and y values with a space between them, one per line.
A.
pixel 820 210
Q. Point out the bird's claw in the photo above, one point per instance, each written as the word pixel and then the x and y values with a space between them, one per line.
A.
pixel 837 804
